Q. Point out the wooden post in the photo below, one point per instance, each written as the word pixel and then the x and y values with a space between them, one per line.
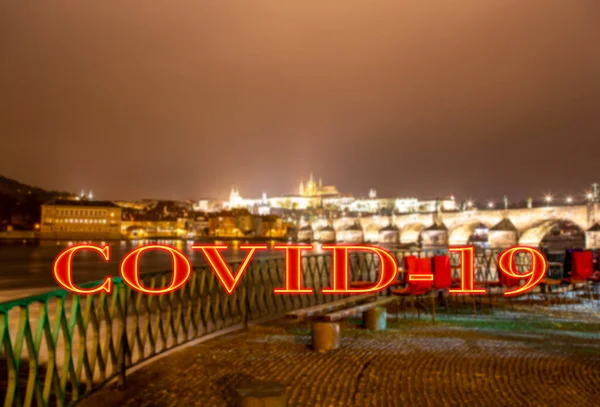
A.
pixel 375 319
pixel 325 335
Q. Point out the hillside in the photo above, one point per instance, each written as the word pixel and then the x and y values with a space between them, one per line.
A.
pixel 20 203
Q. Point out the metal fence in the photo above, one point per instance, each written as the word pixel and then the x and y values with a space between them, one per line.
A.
pixel 57 347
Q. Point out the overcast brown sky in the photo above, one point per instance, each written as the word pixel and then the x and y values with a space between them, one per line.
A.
pixel 182 99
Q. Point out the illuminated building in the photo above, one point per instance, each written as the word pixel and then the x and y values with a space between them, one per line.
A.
pixel 140 206
pixel 312 189
pixel 406 205
pixel 255 206
pixel 310 195
pixel 270 226
pixel 147 229
pixel 207 206
pixel 295 202
pixel 263 208
pixel 235 200
pixel 409 205
pixel 231 224
pixel 80 219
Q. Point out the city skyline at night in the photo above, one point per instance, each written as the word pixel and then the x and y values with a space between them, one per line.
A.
pixel 299 203
pixel 473 98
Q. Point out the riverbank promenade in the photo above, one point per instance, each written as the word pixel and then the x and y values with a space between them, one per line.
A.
pixel 525 356
pixel 199 344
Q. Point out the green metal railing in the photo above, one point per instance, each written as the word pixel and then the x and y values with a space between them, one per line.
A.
pixel 57 347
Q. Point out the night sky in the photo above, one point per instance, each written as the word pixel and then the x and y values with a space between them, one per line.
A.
pixel 182 99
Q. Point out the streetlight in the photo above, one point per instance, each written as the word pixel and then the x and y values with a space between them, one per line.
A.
pixel 589 196
pixel 548 199
pixel 569 200
pixel 490 205
pixel 469 204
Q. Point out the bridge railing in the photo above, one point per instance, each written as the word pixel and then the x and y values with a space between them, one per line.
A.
pixel 57 347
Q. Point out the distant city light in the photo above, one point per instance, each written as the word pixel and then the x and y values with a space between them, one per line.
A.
pixel 569 199
pixel 589 195
pixel 490 204
pixel 470 203
pixel 548 198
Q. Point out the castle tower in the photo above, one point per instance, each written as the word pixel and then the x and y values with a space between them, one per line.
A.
pixel 234 197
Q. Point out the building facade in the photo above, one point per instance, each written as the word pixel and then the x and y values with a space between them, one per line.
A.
pixel 80 219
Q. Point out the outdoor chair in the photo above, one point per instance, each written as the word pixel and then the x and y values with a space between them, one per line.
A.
pixel 442 277
pixel 414 290
pixel 582 270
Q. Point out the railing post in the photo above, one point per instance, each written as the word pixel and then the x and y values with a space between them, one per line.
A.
pixel 245 303
pixel 123 349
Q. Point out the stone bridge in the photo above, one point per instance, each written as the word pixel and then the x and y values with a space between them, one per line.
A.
pixel 501 227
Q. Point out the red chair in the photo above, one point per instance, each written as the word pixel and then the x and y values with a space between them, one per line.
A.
pixel 442 272
pixel 582 267
pixel 508 281
pixel 363 284
pixel 423 266
pixel 410 264
pixel 582 270
pixel 442 277
pixel 418 288
pixel 505 280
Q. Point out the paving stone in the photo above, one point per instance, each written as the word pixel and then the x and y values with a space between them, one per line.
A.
pixel 409 364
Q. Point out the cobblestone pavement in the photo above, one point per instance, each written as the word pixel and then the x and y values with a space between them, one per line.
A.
pixel 458 362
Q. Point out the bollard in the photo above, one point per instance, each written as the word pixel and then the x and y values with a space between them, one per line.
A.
pixel 325 335
pixel 261 394
pixel 375 319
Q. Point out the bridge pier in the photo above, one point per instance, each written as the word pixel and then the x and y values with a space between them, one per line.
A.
pixel 592 237
pixel 503 234
pixel 435 235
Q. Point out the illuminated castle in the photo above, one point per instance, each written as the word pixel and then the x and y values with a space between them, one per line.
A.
pixel 312 189
pixel 235 200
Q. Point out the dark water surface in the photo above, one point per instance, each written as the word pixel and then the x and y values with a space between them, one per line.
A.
pixel 28 265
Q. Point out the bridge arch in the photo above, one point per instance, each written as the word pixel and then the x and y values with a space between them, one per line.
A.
pixel 465 233
pixel 411 233
pixel 553 232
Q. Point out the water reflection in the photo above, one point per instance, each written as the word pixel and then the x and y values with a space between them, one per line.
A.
pixel 29 265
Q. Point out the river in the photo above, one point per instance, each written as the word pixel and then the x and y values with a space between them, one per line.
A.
pixel 26 268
